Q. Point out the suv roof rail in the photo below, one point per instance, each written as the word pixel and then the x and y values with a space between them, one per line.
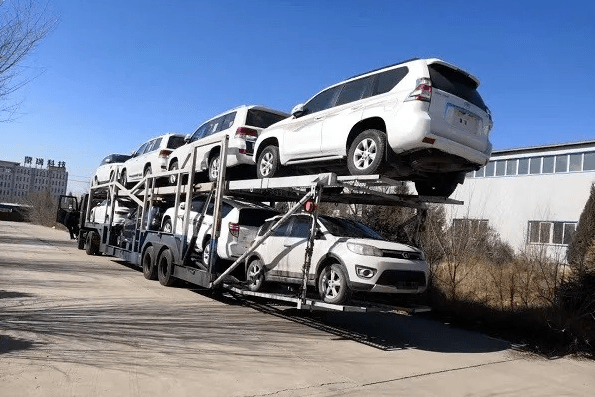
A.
pixel 384 67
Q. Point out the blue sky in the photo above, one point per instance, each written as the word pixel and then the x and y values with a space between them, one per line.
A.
pixel 115 73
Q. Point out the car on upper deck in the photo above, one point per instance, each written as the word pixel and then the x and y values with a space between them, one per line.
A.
pixel 241 124
pixel 108 169
pixel 421 120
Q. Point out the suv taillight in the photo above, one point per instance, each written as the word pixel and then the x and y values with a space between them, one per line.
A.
pixel 165 152
pixel 423 91
pixel 234 229
pixel 245 132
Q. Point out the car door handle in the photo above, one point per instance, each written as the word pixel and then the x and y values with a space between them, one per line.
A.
pixel 318 118
pixel 356 107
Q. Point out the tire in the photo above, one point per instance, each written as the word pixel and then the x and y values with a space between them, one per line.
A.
pixel 173 178
pixel 81 240
pixel 332 285
pixel 206 249
pixel 268 165
pixel 366 153
pixel 255 275
pixel 92 243
pixel 149 268
pixel 165 269
pixel 213 171
pixel 167 227
pixel 438 187
pixel 123 178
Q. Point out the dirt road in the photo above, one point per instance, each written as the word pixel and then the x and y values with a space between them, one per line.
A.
pixel 77 325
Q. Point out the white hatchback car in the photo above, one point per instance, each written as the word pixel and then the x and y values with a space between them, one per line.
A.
pixel 348 256
pixel 240 222
pixel 150 158
pixel 242 125
pixel 421 120
pixel 107 170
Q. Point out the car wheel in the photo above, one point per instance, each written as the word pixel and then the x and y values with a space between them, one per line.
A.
pixel 123 178
pixel 167 227
pixel 173 178
pixel 438 187
pixel 255 275
pixel 214 168
pixel 366 154
pixel 92 243
pixel 206 252
pixel 165 269
pixel 332 284
pixel 268 164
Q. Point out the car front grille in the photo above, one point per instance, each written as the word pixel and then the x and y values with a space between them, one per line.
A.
pixel 401 254
pixel 402 279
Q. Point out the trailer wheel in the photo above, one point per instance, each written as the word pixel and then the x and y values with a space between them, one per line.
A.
pixel 92 243
pixel 81 240
pixel 149 268
pixel 332 284
pixel 165 269
pixel 255 275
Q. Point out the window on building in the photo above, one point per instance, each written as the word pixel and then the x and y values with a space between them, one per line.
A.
pixel 562 163
pixel 535 165
pixel 575 162
pixel 589 162
pixel 523 168
pixel 511 166
pixel 548 165
pixel 490 168
pixel 480 173
pixel 500 168
pixel 546 232
pixel 469 226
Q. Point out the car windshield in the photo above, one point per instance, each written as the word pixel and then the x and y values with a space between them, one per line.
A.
pixel 347 228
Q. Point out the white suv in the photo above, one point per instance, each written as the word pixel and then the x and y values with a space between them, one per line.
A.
pixel 421 120
pixel 348 256
pixel 242 125
pixel 150 158
pixel 240 222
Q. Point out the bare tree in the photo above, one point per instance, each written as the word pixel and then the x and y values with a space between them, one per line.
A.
pixel 22 26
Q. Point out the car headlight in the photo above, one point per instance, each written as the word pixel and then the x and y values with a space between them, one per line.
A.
pixel 365 272
pixel 364 249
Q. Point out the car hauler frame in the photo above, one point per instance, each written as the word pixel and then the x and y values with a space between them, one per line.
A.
pixel 167 256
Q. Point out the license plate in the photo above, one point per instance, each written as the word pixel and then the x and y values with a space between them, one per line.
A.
pixel 462 120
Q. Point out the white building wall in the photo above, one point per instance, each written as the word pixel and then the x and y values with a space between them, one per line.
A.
pixel 510 202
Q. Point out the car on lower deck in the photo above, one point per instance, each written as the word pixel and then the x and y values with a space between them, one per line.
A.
pixel 421 120
pixel 347 257
pixel 150 158
pixel 242 125
pixel 240 222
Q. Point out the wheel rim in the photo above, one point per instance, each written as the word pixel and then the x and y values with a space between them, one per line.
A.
pixel 206 253
pixel 214 170
pixel 266 164
pixel 167 227
pixel 255 273
pixel 332 284
pixel 172 178
pixel 365 154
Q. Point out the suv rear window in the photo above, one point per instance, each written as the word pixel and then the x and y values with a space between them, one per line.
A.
pixel 455 83
pixel 261 119
pixel 255 216
pixel 175 142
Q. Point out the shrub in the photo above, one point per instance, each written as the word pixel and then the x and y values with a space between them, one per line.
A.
pixel 584 237
pixel 43 207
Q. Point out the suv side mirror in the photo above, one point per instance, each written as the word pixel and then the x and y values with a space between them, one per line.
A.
pixel 187 138
pixel 298 110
